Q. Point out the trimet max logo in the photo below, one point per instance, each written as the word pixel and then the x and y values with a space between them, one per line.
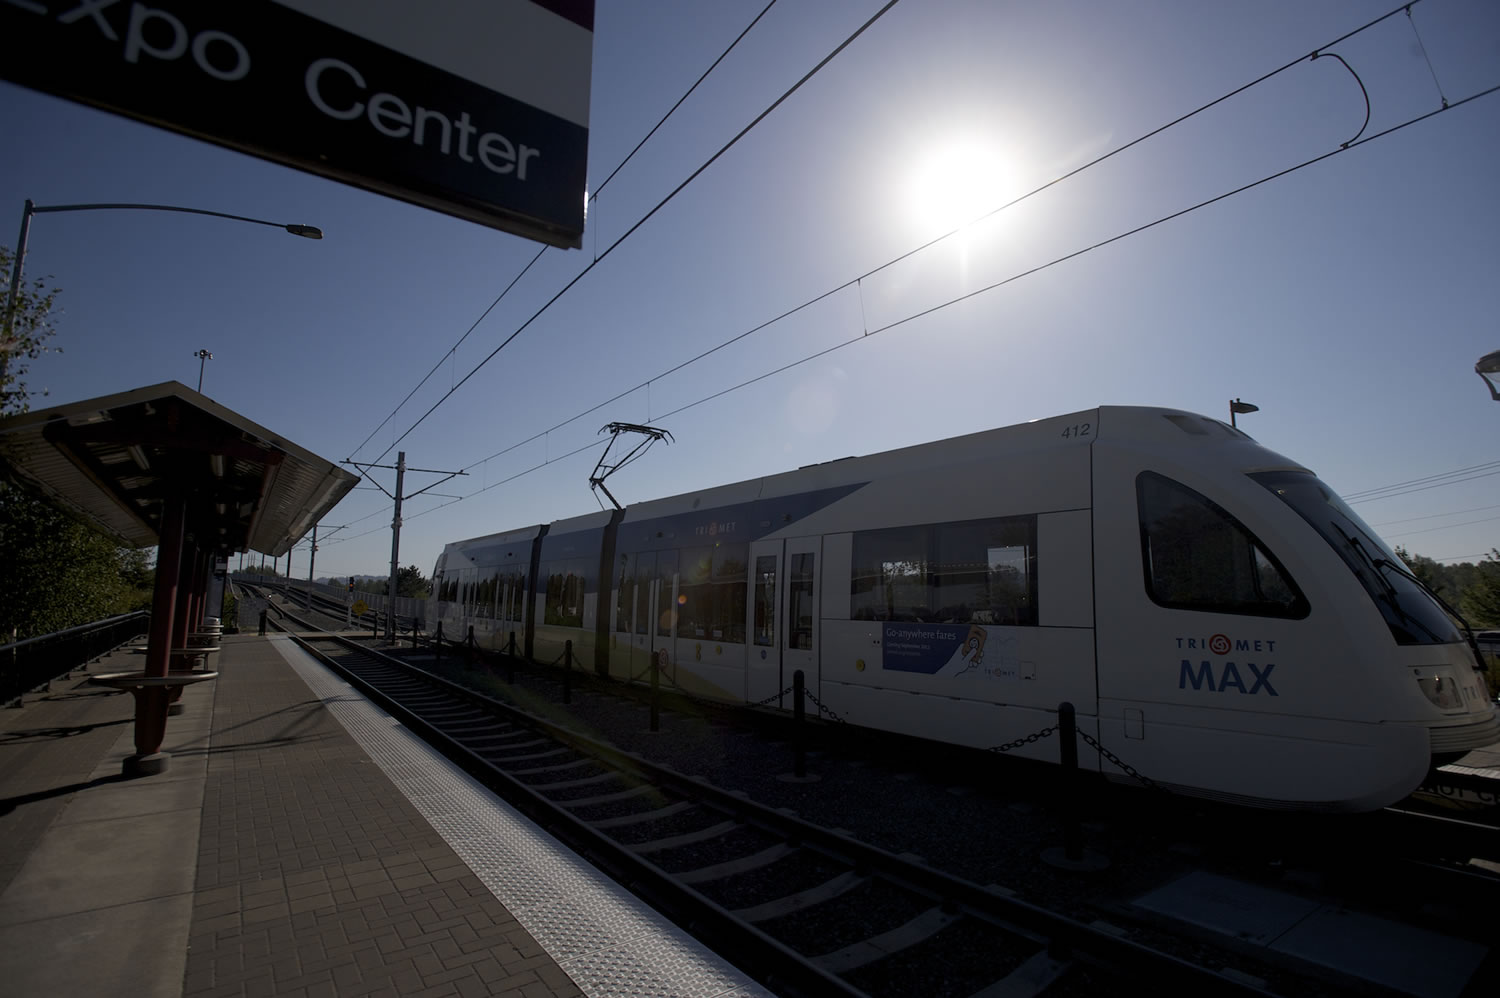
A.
pixel 1224 676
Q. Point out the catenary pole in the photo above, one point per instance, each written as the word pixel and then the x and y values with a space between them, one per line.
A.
pixel 390 617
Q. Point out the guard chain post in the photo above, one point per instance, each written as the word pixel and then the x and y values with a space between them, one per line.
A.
pixel 799 716
pixel 1119 763
pixel 655 694
pixel 1030 739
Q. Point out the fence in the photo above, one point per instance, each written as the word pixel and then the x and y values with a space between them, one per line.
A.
pixel 33 663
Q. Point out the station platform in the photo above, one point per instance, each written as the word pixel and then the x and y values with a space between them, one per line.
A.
pixel 301 843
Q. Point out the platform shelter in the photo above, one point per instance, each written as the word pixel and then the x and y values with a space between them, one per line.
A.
pixel 165 466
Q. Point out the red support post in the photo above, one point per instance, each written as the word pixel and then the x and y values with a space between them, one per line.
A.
pixel 151 701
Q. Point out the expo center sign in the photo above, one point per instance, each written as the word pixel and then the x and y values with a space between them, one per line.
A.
pixel 476 108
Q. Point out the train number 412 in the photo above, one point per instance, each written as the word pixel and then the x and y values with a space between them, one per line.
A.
pixel 1077 430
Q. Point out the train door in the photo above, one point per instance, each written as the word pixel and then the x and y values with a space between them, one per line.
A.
pixel 763 622
pixel 782 617
pixel 644 612
pixel 800 644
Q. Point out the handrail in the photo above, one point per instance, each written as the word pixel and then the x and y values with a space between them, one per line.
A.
pixel 78 629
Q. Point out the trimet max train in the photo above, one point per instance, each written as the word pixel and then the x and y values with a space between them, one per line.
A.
pixel 1218 617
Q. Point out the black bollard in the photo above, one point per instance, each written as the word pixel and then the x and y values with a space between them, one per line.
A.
pixel 655 694
pixel 568 672
pixel 1067 734
pixel 263 621
pixel 416 632
pixel 799 720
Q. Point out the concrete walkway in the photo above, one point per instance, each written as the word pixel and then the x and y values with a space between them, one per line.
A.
pixel 272 858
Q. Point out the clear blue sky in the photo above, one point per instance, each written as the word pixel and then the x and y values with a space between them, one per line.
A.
pixel 1348 300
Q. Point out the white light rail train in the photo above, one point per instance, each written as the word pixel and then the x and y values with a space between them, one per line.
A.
pixel 1218 617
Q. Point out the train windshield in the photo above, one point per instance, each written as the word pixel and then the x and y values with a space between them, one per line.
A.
pixel 1413 617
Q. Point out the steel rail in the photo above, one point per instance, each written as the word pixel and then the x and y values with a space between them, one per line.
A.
pixel 728 933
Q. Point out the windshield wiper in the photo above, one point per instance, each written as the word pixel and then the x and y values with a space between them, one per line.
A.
pixel 1389 592
pixel 1447 608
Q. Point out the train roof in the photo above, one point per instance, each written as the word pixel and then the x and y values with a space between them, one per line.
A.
pixel 1145 425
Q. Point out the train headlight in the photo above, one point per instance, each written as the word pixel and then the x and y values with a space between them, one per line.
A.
pixel 1440 685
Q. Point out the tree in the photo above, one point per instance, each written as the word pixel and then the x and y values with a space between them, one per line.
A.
pixel 25 338
pixel 58 572
pixel 1481 601
pixel 412 583
pixel 1426 569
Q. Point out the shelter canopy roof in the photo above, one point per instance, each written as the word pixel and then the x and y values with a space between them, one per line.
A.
pixel 114 461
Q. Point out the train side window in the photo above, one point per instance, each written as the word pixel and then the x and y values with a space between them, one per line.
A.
pixel 799 599
pixel 731 584
pixel 890 577
pixel 624 593
pixel 969 572
pixel 489 592
pixel 697 565
pixel 985 572
pixel 765 600
pixel 566 581
pixel 1197 556
pixel 645 574
pixel 667 613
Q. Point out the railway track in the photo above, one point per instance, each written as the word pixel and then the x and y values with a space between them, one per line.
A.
pixel 808 909
pixel 711 859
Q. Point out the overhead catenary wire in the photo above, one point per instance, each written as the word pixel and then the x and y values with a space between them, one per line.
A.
pixel 1414 484
pixel 1088 249
pixel 855 281
pixel 928 311
pixel 632 230
pixel 1434 516
pixel 1448 526
pixel 452 351
pixel 863 336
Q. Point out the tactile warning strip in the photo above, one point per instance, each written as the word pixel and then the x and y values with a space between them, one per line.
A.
pixel 607 940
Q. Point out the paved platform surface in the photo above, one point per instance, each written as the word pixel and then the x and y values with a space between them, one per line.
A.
pixel 274 857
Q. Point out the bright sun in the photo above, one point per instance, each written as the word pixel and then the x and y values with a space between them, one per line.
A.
pixel 959 180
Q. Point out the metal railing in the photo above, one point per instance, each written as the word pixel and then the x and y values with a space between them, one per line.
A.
pixel 33 663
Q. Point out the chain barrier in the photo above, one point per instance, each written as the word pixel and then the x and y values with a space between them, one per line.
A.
pixel 1125 767
pixel 1035 736
pixel 772 698
pixel 821 709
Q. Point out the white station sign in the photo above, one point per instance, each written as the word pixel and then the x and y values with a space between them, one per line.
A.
pixel 476 108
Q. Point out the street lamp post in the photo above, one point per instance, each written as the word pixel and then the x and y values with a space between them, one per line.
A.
pixel 1488 368
pixel 202 355
pixel 306 231
pixel 1236 406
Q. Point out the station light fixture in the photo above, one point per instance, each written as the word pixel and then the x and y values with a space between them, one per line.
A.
pixel 1488 368
pixel 1236 407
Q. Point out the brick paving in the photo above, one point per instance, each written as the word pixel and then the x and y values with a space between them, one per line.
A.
pixel 317 877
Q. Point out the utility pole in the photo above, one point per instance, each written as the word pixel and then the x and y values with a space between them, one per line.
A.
pixel 398 496
pixel 202 355
pixel 390 617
